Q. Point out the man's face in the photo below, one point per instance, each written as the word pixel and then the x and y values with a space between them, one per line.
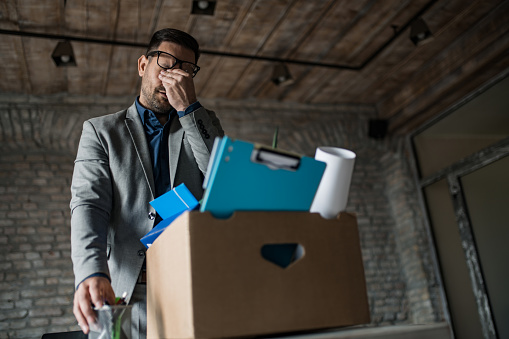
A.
pixel 153 95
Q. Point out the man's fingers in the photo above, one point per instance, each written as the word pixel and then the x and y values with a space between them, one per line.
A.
pixel 171 80
pixel 101 293
pixel 82 322
pixel 110 296
pixel 175 72
pixel 97 296
pixel 78 312
pixel 85 306
pixel 175 75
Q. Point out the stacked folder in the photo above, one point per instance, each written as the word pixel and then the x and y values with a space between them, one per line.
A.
pixel 243 176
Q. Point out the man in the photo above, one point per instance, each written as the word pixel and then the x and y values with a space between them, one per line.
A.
pixel 127 159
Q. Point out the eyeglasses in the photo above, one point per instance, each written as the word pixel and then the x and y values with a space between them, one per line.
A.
pixel 168 61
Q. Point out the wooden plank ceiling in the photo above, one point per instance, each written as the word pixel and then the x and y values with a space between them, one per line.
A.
pixel 408 84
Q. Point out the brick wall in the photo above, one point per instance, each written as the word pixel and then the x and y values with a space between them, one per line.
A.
pixel 38 143
pixel 36 280
pixel 412 239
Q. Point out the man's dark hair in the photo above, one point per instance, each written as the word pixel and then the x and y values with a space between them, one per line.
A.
pixel 176 36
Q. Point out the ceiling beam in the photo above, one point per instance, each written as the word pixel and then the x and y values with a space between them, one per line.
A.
pixel 397 33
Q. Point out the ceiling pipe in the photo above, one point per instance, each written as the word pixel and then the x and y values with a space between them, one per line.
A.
pixel 141 45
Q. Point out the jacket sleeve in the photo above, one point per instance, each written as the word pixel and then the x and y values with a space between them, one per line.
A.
pixel 201 127
pixel 91 201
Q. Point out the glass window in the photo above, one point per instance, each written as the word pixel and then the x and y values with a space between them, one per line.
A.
pixel 455 276
pixel 487 195
pixel 479 123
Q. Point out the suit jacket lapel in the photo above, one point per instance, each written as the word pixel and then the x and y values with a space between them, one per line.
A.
pixel 174 145
pixel 135 127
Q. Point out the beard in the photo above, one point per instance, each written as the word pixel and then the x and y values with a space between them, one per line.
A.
pixel 155 101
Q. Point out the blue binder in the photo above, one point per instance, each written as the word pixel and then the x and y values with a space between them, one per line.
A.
pixel 247 177
pixel 170 206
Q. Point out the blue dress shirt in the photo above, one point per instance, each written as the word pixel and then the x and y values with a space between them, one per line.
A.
pixel 157 138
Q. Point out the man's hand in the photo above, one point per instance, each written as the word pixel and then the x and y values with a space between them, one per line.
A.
pixel 179 88
pixel 92 292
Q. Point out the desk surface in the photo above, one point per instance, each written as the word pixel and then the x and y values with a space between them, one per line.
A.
pixel 435 331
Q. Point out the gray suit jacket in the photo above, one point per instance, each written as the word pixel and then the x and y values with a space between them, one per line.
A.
pixel 113 183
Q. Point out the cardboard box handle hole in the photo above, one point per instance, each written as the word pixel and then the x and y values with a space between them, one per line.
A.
pixel 282 255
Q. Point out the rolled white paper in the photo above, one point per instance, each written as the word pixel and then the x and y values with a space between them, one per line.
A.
pixel 332 194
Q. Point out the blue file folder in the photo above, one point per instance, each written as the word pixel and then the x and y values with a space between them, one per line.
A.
pixel 246 177
pixel 170 206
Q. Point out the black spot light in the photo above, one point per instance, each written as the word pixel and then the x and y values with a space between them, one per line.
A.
pixel 63 54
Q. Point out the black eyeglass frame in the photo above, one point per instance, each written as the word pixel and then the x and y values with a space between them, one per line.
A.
pixel 177 61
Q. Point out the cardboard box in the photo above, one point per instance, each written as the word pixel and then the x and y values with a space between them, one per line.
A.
pixel 207 278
